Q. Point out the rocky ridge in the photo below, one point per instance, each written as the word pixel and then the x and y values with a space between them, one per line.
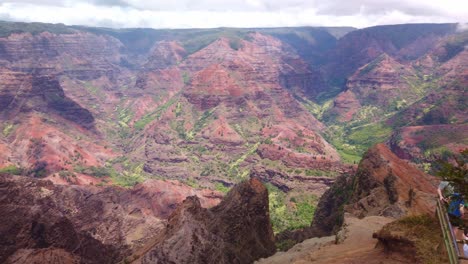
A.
pixel 384 185
pixel 238 230
pixel 69 224
pixel 375 202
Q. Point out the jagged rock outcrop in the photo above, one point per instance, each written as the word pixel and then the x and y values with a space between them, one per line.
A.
pixel 48 223
pixel 238 230
pixel 384 185
pixel 329 214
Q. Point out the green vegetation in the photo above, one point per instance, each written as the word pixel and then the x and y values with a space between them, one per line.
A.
pixel 201 122
pixel 94 171
pixel 420 84
pixel 424 231
pixel 7 129
pixel 148 118
pixel 337 137
pixel 93 90
pixel 127 179
pixel 456 173
pixel 197 127
pixel 131 174
pixel 67 175
pixel 351 142
pixel 367 136
pixel 125 115
pixel 238 130
pixel 316 172
pixel 196 40
pixel 186 77
pixel 285 245
pixel 333 90
pixel 127 175
pixel 295 213
pixel 234 166
pixel 370 66
pixel 374 122
pixel 314 108
pixel 221 188
pixel 12 169
pixel 455 46
pixel 8 28
pixel 38 170
pixel 178 110
pixel 192 183
pixel 235 43
pixel 179 127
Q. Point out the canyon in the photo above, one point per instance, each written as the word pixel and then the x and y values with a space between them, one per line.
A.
pixel 111 134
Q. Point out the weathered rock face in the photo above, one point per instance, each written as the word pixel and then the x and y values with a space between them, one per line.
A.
pixel 164 55
pixel 382 84
pixel 227 101
pixel 22 92
pixel 329 215
pixel 248 77
pixel 406 42
pixel 161 198
pixel 310 184
pixel 408 142
pixel 214 98
pixel 238 230
pixel 388 186
pixel 346 105
pixel 80 54
pixel 383 185
pixel 68 224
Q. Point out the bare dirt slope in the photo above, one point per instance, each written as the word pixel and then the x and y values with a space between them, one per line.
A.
pixel 358 246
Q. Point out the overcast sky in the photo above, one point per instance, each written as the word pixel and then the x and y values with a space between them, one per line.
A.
pixel 234 13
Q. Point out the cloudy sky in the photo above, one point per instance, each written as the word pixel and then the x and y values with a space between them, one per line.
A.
pixel 233 13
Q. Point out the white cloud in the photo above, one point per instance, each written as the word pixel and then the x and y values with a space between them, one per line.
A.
pixel 462 27
pixel 234 13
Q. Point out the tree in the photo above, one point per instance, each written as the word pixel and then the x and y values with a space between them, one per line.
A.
pixel 456 172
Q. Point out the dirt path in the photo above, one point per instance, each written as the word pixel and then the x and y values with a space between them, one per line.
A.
pixel 358 246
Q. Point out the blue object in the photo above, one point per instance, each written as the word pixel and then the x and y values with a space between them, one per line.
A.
pixel 456 200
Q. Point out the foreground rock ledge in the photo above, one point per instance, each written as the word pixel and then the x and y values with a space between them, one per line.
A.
pixel 45 223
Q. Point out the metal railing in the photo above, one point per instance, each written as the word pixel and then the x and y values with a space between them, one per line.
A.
pixel 450 240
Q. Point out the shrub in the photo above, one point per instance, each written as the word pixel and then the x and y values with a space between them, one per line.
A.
pixel 221 188
pixel 12 169
pixel 284 217
pixel 39 169
pixel 235 44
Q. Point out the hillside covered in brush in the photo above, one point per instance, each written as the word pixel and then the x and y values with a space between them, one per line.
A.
pixel 295 107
